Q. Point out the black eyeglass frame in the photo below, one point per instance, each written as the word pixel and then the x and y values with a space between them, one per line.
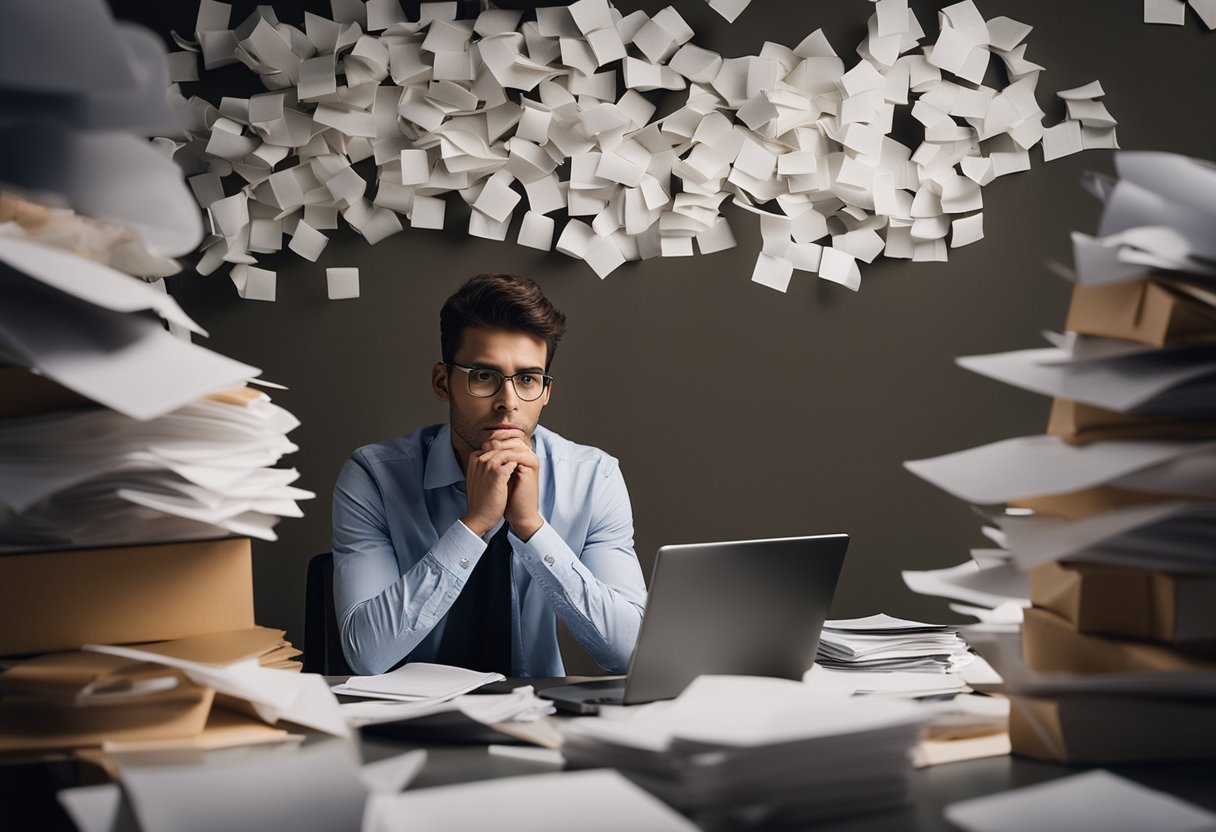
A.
pixel 546 380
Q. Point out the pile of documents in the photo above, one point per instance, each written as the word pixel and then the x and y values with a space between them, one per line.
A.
pixel 523 117
pixel 883 643
pixel 201 692
pixel 1113 512
pixel 420 698
pixel 318 786
pixel 742 751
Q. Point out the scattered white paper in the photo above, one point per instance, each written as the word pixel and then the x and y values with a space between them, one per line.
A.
pixel 1090 800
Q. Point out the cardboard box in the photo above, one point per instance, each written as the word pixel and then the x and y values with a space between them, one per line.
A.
pixel 1109 600
pixel 61 600
pixel 1049 643
pixel 1080 424
pixel 1103 730
pixel 1154 312
pixel 1073 505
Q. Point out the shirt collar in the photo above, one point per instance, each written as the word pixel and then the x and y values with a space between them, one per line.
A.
pixel 442 467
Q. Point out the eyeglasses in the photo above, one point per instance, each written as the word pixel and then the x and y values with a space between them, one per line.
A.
pixel 484 382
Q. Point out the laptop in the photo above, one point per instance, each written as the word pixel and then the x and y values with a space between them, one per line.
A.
pixel 745 607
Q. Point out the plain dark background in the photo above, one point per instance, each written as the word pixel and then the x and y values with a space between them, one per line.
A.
pixel 736 411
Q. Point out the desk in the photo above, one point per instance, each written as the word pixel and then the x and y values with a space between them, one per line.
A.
pixel 932 788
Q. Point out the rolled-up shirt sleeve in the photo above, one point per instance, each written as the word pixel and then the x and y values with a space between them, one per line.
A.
pixel 382 613
pixel 599 591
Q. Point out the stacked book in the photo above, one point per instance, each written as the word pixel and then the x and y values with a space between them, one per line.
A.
pixel 1112 513
pixel 747 751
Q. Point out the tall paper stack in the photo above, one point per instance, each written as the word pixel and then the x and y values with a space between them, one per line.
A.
pixel 1113 512
pixel 740 751
pixel 125 449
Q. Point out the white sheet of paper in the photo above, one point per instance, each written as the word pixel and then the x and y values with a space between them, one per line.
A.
pixel 1089 800
pixel 1038 539
pixel 98 808
pixel 90 281
pixel 1123 386
pixel 540 803
pixel 342 283
pixel 1170 12
pixel 989 586
pixel 310 788
pixel 1030 466
pixel 417 680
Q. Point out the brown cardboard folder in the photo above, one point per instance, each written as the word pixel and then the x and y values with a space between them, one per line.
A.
pixel 1080 424
pixel 1133 603
pixel 1157 312
pixel 1110 729
pixel 1049 643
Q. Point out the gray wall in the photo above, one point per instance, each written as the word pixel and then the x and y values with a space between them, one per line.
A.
pixel 736 411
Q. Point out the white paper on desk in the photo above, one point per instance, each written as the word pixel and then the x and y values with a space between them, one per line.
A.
pixel 418 681
pixel 392 774
pixel 101 808
pixel 315 786
pixel 557 802
pixel 1082 802
pixel 1124 385
pixel 489 709
pixel 844 683
pixel 883 623
pixel 1034 466
pixel 302 698
pixel 92 282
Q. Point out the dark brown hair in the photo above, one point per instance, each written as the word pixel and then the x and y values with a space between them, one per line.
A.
pixel 499 301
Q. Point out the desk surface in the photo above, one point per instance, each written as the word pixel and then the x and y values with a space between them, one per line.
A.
pixel 933 788
pixel 449 763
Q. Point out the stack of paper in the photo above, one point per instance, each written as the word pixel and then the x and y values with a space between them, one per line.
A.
pixel 884 643
pixel 751 751
pixel 418 682
pixel 94 477
pixel 142 696
pixel 525 118
pixel 312 787
pixel 1113 512
pixel 590 801
pixel 81 106
pixel 156 461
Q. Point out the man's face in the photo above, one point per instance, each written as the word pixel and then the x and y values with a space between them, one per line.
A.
pixel 476 420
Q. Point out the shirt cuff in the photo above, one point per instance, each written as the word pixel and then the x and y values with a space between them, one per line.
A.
pixel 458 550
pixel 546 548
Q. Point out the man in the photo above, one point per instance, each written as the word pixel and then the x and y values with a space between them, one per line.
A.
pixel 461 543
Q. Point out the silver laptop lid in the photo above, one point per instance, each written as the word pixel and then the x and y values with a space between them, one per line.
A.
pixel 745 607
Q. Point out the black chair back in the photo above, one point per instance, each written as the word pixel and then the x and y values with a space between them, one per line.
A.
pixel 322 645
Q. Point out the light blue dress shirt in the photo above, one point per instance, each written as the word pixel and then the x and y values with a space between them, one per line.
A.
pixel 401 555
